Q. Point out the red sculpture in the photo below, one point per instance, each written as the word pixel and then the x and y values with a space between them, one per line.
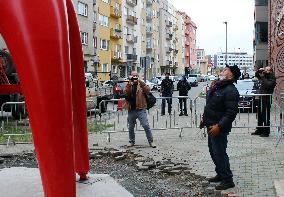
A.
pixel 44 40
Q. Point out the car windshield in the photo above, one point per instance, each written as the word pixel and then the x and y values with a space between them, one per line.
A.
pixel 246 85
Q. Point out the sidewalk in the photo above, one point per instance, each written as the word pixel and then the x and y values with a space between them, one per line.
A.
pixel 256 162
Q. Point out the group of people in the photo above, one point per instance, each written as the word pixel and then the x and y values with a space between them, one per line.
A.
pixel 219 113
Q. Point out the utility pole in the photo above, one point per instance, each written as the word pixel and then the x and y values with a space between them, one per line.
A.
pixel 226 56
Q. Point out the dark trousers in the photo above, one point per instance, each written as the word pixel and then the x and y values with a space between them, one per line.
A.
pixel 182 102
pixel 217 149
pixel 263 116
pixel 169 101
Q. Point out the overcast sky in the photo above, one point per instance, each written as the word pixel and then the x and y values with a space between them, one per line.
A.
pixel 209 16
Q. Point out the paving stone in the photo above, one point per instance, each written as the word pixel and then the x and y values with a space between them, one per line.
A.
pixel 120 157
pixel 115 153
pixel 174 172
pixel 2 160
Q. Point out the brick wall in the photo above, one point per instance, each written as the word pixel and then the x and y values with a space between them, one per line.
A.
pixel 276 42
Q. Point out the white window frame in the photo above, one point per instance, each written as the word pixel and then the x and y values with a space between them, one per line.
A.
pixel 106 1
pixel 82 9
pixel 84 38
pixel 104 20
pixel 105 67
pixel 104 44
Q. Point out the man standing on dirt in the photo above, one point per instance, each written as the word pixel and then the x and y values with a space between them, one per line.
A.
pixel 136 103
pixel 219 113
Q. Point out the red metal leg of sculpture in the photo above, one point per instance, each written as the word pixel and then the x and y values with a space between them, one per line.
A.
pixel 36 33
pixel 79 96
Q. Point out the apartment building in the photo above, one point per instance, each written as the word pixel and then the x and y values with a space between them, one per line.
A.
pixel 202 62
pixel 260 42
pixel 129 23
pixel 116 38
pixel 152 38
pixel 168 20
pixel 85 16
pixel 180 47
pixel 242 59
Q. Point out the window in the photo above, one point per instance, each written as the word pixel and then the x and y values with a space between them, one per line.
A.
pixel 95 16
pixel 261 2
pixel 105 67
pixel 125 11
pixel 126 49
pixel 106 1
pixel 104 44
pixel 95 42
pixel 261 32
pixel 104 20
pixel 84 38
pixel 82 9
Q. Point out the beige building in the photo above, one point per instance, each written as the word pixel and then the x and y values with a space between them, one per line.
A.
pixel 180 45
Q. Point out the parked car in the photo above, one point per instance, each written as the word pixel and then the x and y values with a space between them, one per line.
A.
pixel 108 83
pixel 156 81
pixel 198 77
pixel 212 77
pixel 192 81
pixel 175 80
pixel 118 89
pixel 152 86
pixel 247 88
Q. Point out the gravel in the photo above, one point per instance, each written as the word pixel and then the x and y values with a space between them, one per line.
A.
pixel 140 183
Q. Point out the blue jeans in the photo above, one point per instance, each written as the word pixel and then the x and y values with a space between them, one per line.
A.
pixel 141 114
pixel 217 149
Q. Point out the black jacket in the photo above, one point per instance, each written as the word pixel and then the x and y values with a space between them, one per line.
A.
pixel 167 86
pixel 183 87
pixel 267 82
pixel 221 105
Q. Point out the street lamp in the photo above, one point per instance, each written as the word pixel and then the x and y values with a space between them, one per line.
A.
pixel 226 57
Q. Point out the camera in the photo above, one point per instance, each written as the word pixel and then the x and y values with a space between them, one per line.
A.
pixel 134 78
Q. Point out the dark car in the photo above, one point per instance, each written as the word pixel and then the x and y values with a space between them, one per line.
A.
pixel 118 89
pixel 247 89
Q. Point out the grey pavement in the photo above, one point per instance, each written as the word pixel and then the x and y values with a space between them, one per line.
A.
pixel 18 182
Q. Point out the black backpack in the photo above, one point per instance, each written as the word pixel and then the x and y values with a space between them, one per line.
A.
pixel 150 99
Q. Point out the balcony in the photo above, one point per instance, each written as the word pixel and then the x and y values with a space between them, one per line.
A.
pixel 186 43
pixel 169 36
pixel 149 2
pixel 169 23
pixel 169 49
pixel 187 21
pixel 131 2
pixel 149 45
pixel 131 20
pixel 115 12
pixel 94 26
pixel 149 15
pixel 115 33
pixel 116 56
pixel 175 51
pixel 169 63
pixel 176 64
pixel 131 38
pixel 187 54
pixel 131 57
pixel 175 27
pixel 186 32
pixel 149 29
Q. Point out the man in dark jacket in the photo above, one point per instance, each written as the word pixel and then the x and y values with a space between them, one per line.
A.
pixel 183 87
pixel 267 84
pixel 219 113
pixel 167 86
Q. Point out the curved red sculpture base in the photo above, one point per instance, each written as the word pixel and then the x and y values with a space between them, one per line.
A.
pixel 44 40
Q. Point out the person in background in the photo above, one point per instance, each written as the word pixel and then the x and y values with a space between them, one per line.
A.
pixel 136 104
pixel 267 81
pixel 183 87
pixel 167 87
pixel 219 113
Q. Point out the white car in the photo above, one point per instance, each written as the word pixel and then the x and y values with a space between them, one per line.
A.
pixel 151 85
pixel 212 77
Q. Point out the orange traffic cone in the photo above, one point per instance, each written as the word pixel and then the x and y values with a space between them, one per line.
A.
pixel 120 105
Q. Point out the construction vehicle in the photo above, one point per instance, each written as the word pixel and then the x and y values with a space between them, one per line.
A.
pixel 10 90
pixel 95 94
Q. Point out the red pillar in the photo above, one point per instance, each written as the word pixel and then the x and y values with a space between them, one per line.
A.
pixel 36 33
pixel 79 96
